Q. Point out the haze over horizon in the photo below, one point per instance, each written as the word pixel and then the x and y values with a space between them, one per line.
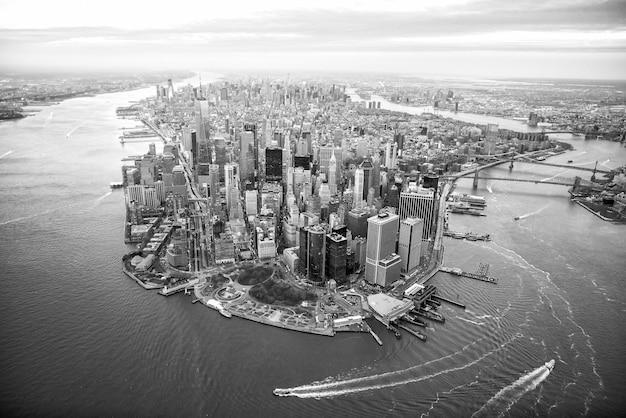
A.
pixel 450 38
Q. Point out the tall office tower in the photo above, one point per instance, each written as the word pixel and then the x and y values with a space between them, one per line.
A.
pixel 170 90
pixel 399 139
pixel 357 222
pixel 359 186
pixel 273 164
pixel 336 248
pixel 324 194
pixel 252 197
pixel 159 186
pixel 332 175
pixel 431 182
pixel 367 168
pixel 251 127
pixel 214 181
pixel 410 243
pixel 246 156
pixel 312 252
pixel 370 196
pixel 375 176
pixel 224 93
pixel 152 200
pixel 388 155
pixel 491 138
pixel 325 155
pixel 230 181
pixel 136 193
pixel 393 196
pixel 420 204
pixel 302 148
pixel 147 170
pixel 220 151
pixel 382 265
pixel 186 138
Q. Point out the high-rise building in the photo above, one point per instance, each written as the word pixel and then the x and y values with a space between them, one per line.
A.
pixel 368 178
pixel 273 164
pixel 336 248
pixel 381 258
pixel 420 204
pixel 332 175
pixel 312 252
pixel 251 202
pixel 246 156
pixel 359 184
pixel 136 193
pixel 214 177
pixel 357 222
pixel 325 155
pixel 410 243
pixel 491 138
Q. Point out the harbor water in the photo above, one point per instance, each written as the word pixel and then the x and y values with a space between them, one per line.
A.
pixel 79 338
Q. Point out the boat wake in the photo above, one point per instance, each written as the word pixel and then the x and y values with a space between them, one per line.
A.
pixel 507 397
pixel 5 154
pixel 538 211
pixel 327 389
pixel 74 130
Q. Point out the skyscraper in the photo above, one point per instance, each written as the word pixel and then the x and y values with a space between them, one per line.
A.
pixel 359 176
pixel 273 164
pixel 490 139
pixel 382 263
pixel 246 156
pixel 312 252
pixel 336 248
pixel 332 175
pixel 410 243
pixel 420 204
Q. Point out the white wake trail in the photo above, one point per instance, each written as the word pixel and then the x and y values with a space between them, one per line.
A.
pixel 5 154
pixel 502 401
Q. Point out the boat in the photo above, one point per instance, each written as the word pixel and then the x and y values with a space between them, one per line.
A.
pixel 549 365
pixel 570 161
pixel 225 313
pixel 282 392
pixel 116 184
pixel 516 218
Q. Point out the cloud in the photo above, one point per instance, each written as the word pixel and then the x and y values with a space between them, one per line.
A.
pixel 495 26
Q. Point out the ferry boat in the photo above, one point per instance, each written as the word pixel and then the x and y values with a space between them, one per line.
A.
pixel 116 185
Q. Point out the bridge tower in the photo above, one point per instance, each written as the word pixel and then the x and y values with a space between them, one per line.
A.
pixel 593 176
pixel 475 184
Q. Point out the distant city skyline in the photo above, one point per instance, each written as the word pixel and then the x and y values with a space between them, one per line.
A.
pixel 454 38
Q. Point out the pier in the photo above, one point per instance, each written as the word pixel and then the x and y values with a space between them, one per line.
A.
pixel 451 302
pixel 475 276
pixel 412 332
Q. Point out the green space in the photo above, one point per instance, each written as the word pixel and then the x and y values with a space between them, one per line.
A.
pixel 278 292
pixel 255 274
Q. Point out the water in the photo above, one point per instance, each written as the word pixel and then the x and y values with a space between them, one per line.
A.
pixel 79 338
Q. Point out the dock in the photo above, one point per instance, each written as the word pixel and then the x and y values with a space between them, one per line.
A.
pixel 413 332
pixel 451 302
pixel 475 276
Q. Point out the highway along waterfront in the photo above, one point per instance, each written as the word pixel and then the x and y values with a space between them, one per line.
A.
pixel 79 336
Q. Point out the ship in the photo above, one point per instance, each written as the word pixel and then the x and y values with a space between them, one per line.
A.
pixel 116 184
pixel 516 218
pixel 549 365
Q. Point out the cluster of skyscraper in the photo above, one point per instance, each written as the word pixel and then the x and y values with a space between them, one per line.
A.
pixel 274 176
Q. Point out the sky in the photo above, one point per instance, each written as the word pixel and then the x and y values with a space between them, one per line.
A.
pixel 456 38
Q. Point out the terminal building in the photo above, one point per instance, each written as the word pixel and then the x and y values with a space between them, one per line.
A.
pixel 388 309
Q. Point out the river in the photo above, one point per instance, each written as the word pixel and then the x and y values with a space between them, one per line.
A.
pixel 81 339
